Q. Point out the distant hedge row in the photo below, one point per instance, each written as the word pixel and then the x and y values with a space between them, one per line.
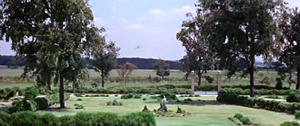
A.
pixel 127 90
pixel 213 87
pixel 28 118
pixel 240 91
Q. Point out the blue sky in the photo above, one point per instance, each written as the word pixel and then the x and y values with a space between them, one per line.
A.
pixel 150 25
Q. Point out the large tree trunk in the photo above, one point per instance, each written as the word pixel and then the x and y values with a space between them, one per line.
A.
pixel 102 70
pixel 199 77
pixel 61 92
pixel 251 71
pixel 298 78
pixel 102 77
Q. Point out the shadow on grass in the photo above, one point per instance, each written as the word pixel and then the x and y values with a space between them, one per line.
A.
pixel 193 103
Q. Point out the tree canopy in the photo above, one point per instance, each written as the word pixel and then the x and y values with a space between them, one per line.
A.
pixel 240 29
pixel 50 35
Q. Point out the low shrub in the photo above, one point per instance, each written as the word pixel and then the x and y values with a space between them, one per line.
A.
pixel 196 95
pixel 297 115
pixel 28 118
pixel 146 109
pixel 137 96
pixel 144 99
pixel 78 106
pixel 293 97
pixel 79 99
pixel 273 97
pixel 153 97
pixel 114 103
pixel 292 123
pixel 187 100
pixel 235 120
pixel 109 103
pixel 257 102
pixel 179 110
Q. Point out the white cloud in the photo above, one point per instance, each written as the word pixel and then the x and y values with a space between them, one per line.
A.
pixel 155 12
pixel 114 8
pixel 135 27
pixel 122 19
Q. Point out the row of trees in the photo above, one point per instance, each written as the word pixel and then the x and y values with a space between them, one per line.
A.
pixel 240 30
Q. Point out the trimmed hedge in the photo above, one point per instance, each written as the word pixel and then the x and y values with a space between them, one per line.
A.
pixel 258 103
pixel 27 118
pixel 128 90
pixel 176 89
pixel 240 91
pixel 214 87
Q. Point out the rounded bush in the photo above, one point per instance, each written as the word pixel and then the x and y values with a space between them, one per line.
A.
pixel 293 97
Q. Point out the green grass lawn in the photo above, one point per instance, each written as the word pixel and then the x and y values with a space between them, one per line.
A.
pixel 203 113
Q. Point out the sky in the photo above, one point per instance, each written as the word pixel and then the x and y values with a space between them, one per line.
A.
pixel 142 28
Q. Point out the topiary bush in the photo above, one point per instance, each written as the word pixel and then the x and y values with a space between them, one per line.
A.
pixel 146 109
pixel 293 97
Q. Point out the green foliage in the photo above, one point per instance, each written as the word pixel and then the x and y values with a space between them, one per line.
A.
pixel 209 79
pixel 266 80
pixel 104 55
pixel 137 96
pixel 114 103
pixel 146 109
pixel 292 123
pixel 129 96
pixel 162 68
pixel 293 97
pixel 273 97
pixel 179 110
pixel 232 98
pixel 235 120
pixel 108 103
pixel 238 115
pixel 154 97
pixel 23 105
pixel 27 118
pixel 55 51
pixel 78 106
pixel 226 35
pixel 4 119
pixel 258 92
pixel 31 93
pixel 79 99
pixel 278 83
pixel 297 115
pixel 144 99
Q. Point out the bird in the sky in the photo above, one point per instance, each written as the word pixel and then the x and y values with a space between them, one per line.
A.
pixel 137 47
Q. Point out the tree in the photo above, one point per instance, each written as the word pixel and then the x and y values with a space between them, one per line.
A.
pixel 125 71
pixel 49 35
pixel 104 58
pixel 198 57
pixel 162 68
pixel 291 39
pixel 240 30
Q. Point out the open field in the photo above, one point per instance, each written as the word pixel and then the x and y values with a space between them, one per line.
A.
pixel 10 77
pixel 203 113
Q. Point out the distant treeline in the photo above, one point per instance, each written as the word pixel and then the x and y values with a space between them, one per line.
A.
pixel 141 63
